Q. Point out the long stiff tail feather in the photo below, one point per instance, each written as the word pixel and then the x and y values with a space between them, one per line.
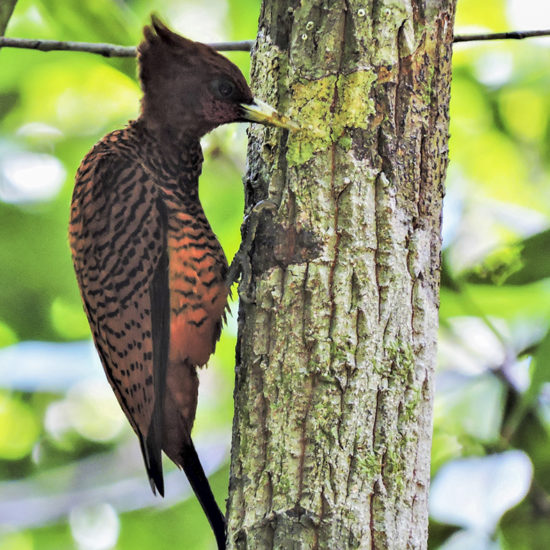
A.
pixel 199 482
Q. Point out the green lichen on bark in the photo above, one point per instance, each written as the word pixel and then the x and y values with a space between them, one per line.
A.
pixel 326 109
pixel 336 350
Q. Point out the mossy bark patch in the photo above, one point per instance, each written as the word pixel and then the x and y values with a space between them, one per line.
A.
pixel 327 109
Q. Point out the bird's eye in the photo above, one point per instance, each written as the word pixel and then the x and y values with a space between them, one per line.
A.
pixel 224 88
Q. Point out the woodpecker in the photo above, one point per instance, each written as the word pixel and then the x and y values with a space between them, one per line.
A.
pixel 151 272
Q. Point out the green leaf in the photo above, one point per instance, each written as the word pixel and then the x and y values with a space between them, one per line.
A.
pixel 540 375
pixel 521 263
pixel 506 302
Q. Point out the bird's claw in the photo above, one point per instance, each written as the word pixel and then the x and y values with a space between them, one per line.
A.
pixel 241 266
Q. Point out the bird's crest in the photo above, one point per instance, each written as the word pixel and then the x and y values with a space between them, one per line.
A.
pixel 159 47
pixel 159 33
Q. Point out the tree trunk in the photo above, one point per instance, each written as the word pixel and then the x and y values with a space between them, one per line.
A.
pixel 337 335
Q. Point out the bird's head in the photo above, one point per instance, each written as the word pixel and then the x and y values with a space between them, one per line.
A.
pixel 191 89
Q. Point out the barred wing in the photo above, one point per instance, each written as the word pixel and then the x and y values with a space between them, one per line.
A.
pixel 118 241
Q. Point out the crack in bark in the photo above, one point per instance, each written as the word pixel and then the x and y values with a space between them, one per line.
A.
pixel 333 176
pixel 307 305
pixel 378 474
pixel 377 252
pixel 264 430
pixel 371 521
pixel 303 438
pixel 409 259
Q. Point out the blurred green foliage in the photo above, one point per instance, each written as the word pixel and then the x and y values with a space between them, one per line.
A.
pixel 493 373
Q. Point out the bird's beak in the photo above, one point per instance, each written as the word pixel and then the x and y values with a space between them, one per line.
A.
pixel 261 112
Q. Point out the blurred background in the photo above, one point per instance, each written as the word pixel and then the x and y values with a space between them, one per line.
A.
pixel 71 475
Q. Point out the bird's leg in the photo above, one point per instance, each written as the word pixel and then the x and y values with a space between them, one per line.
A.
pixel 241 266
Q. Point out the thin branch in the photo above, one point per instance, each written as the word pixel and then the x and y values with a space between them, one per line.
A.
pixel 512 35
pixel 106 50
pixel 112 50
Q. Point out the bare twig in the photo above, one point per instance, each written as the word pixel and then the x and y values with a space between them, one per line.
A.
pixel 512 35
pixel 107 50
pixel 112 50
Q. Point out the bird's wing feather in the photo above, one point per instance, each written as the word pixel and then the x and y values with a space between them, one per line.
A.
pixel 118 238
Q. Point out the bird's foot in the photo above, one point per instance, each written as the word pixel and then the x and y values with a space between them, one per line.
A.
pixel 241 265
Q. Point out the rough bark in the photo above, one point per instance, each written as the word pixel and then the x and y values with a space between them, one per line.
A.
pixel 337 337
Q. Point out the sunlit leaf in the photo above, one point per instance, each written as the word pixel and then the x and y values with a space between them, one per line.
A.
pixel 7 335
pixel 470 114
pixel 472 406
pixel 445 446
pixel 488 14
pixel 525 112
pixel 90 409
pixel 19 428
pixel 507 301
pixel 16 541
pixel 497 166
pixel 69 320
pixel 539 375
pixel 520 263
pixel 79 95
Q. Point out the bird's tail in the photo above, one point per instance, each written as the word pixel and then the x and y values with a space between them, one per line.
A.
pixel 199 482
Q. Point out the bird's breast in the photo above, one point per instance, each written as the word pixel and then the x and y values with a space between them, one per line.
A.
pixel 198 293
